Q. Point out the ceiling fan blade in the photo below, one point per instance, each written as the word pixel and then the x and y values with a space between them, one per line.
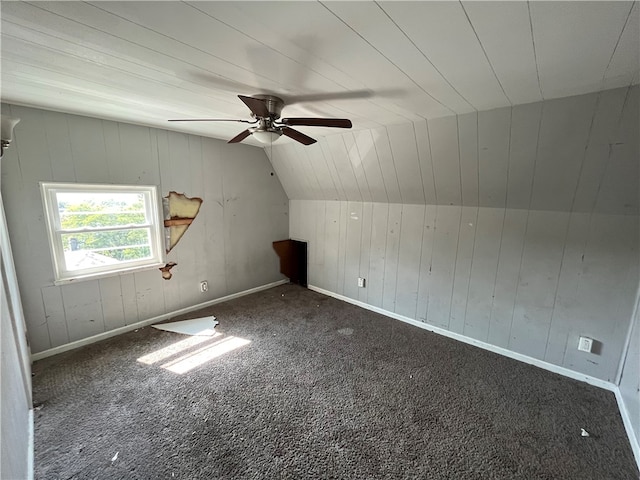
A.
pixel 256 105
pixel 209 120
pixel 318 122
pixel 241 136
pixel 298 136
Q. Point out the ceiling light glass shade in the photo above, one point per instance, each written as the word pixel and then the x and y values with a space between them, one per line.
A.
pixel 266 136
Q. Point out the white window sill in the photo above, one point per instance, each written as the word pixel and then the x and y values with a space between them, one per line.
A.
pixel 99 275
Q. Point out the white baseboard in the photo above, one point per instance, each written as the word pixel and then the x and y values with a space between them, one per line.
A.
pixel 628 425
pixel 471 341
pixel 165 316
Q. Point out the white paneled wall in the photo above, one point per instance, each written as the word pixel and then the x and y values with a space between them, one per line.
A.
pixel 229 244
pixel 573 154
pixel 516 226
pixel 529 281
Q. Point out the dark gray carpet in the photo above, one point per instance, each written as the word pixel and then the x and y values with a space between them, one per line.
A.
pixel 324 390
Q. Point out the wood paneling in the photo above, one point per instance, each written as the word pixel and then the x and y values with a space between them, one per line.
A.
pixel 229 244
pixel 530 281
pixel 571 154
pixel 383 63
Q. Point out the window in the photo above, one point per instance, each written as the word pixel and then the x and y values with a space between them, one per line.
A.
pixel 97 230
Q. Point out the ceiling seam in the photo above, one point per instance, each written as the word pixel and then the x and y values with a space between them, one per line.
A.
pixel 375 149
pixel 300 172
pixel 535 53
pixel 459 159
pixel 320 192
pixel 347 196
pixel 364 170
pixel 353 170
pixel 485 53
pixel 388 59
pixel 393 160
pixel 295 61
pixel 433 171
pixel 427 59
pixel 326 151
pixel 335 186
pixel 315 173
pixel 604 75
pixel 415 139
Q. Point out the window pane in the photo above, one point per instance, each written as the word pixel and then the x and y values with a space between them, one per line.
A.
pixel 93 249
pixel 88 209
pixel 98 229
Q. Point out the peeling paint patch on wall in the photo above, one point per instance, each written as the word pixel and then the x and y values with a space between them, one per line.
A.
pixel 180 211
pixel 166 270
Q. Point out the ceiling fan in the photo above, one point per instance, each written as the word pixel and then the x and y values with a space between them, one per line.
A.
pixel 265 110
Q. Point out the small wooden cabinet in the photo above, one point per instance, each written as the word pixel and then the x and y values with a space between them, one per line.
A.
pixel 293 260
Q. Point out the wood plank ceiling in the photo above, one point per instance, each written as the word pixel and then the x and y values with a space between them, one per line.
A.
pixel 515 104
pixel 378 63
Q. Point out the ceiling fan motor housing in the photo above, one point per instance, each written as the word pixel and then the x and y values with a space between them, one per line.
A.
pixel 274 105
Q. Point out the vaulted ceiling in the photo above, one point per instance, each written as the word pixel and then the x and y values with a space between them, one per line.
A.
pixel 377 63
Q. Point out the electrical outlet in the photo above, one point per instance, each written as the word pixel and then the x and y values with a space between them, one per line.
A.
pixel 204 286
pixel 361 282
pixel 585 344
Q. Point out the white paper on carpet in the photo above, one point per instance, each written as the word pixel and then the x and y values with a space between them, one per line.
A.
pixel 195 326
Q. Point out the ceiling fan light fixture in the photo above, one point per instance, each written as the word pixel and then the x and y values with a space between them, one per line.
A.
pixel 267 136
pixel 265 111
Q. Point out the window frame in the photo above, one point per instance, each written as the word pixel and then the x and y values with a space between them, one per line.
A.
pixel 155 223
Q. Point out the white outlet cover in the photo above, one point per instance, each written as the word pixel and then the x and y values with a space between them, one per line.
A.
pixel 585 344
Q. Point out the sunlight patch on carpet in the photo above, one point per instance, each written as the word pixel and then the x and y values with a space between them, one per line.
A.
pixel 205 354
pixel 173 349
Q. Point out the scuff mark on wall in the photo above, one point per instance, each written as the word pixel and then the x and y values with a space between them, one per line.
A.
pixel 180 211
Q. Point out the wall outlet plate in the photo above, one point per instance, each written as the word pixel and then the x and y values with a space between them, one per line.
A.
pixel 204 286
pixel 585 344
pixel 361 282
